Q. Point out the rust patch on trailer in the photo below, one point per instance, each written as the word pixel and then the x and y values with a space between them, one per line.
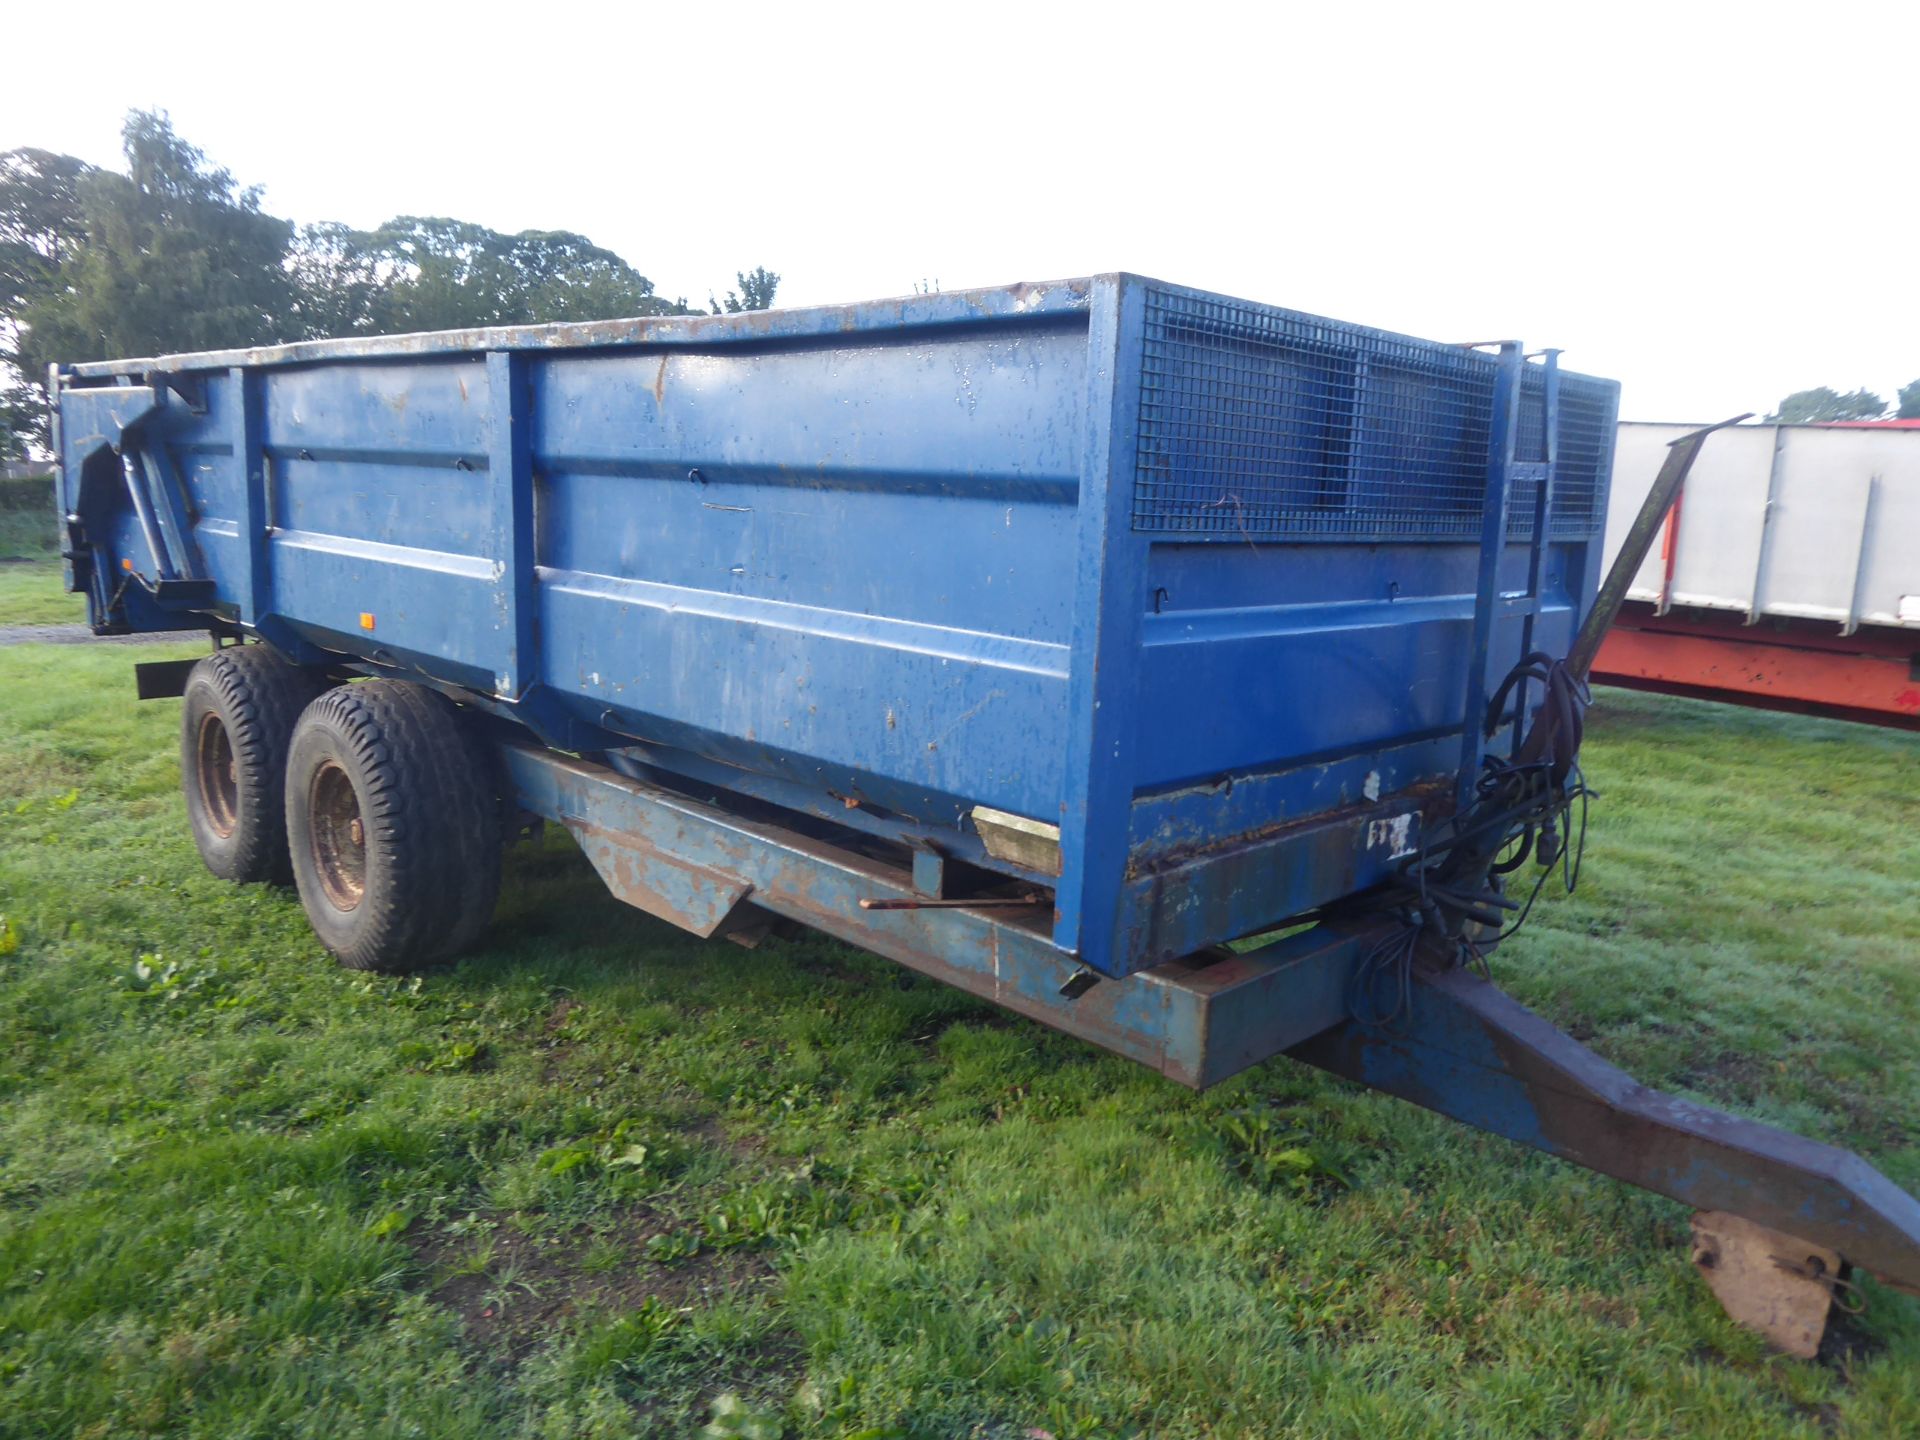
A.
pixel 1430 799
pixel 660 383
pixel 662 884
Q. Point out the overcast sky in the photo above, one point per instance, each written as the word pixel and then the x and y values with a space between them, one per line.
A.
pixel 1715 209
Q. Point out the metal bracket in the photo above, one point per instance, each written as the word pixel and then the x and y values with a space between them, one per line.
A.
pixel 189 386
pixel 162 679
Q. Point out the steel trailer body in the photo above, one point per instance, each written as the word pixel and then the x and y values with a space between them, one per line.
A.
pixel 1040 638
pixel 1189 590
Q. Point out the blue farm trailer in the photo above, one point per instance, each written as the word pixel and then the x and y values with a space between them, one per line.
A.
pixel 1052 640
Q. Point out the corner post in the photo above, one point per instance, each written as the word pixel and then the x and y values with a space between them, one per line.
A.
pixel 1109 605
pixel 510 536
pixel 247 435
pixel 1504 428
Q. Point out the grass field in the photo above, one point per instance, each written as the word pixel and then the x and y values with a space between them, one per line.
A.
pixel 601 1176
pixel 30 594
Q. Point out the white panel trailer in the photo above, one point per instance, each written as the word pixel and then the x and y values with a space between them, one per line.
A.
pixel 1788 575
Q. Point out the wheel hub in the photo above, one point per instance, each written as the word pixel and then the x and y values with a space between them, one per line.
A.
pixel 338 836
pixel 217 774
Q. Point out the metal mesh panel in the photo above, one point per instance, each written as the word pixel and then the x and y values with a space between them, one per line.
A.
pixel 1579 478
pixel 1530 438
pixel 1262 422
pixel 1529 447
pixel 1585 451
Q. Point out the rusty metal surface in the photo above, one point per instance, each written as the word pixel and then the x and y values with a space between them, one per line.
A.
pixel 1179 906
pixel 953 307
pixel 694 864
pixel 657 881
pixel 1637 542
pixel 1473 1053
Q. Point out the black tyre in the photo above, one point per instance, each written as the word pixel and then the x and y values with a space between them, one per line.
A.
pixel 393 825
pixel 241 706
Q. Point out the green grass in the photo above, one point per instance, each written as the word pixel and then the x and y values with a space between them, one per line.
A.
pixel 30 594
pixel 29 524
pixel 601 1173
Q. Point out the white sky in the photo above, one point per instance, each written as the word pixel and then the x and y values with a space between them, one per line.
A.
pixel 1715 205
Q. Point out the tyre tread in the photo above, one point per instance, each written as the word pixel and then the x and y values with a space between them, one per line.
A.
pixel 261 696
pixel 430 804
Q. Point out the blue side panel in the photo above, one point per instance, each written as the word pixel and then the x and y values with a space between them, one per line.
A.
pixel 836 563
pixel 839 563
pixel 1288 598
pixel 1192 579
pixel 380 511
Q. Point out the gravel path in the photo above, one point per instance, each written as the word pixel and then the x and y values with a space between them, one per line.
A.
pixel 81 635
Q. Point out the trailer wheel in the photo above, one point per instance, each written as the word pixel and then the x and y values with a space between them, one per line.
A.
pixel 393 825
pixel 241 706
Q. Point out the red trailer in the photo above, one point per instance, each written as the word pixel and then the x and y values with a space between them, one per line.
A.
pixel 1788 576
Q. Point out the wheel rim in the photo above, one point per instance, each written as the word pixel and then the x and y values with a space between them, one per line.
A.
pixel 337 836
pixel 217 773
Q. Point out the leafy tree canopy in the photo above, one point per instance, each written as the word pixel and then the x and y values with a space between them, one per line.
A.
pixel 1909 401
pixel 176 255
pixel 431 273
pixel 40 221
pixel 755 292
pixel 172 255
pixel 1809 406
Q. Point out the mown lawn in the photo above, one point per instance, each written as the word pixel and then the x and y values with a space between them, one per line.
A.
pixel 30 594
pixel 30 591
pixel 602 1174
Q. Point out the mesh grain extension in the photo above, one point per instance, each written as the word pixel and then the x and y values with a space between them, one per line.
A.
pixel 1264 422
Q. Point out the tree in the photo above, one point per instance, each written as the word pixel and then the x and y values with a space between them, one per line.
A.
pixel 1810 406
pixel 41 223
pixel 755 292
pixel 564 276
pixel 339 283
pixel 19 412
pixel 434 273
pixel 176 255
pixel 173 255
pixel 1909 401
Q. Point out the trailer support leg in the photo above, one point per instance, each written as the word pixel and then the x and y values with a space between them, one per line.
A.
pixel 1774 1283
pixel 1470 1052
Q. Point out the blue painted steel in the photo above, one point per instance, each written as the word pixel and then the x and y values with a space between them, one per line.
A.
pixel 1494 527
pixel 709 869
pixel 1470 1052
pixel 1462 1048
pixel 1193 579
pixel 1542 520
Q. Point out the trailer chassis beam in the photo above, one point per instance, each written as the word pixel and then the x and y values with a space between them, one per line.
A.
pixel 1471 1052
pixel 715 870
pixel 1462 1048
